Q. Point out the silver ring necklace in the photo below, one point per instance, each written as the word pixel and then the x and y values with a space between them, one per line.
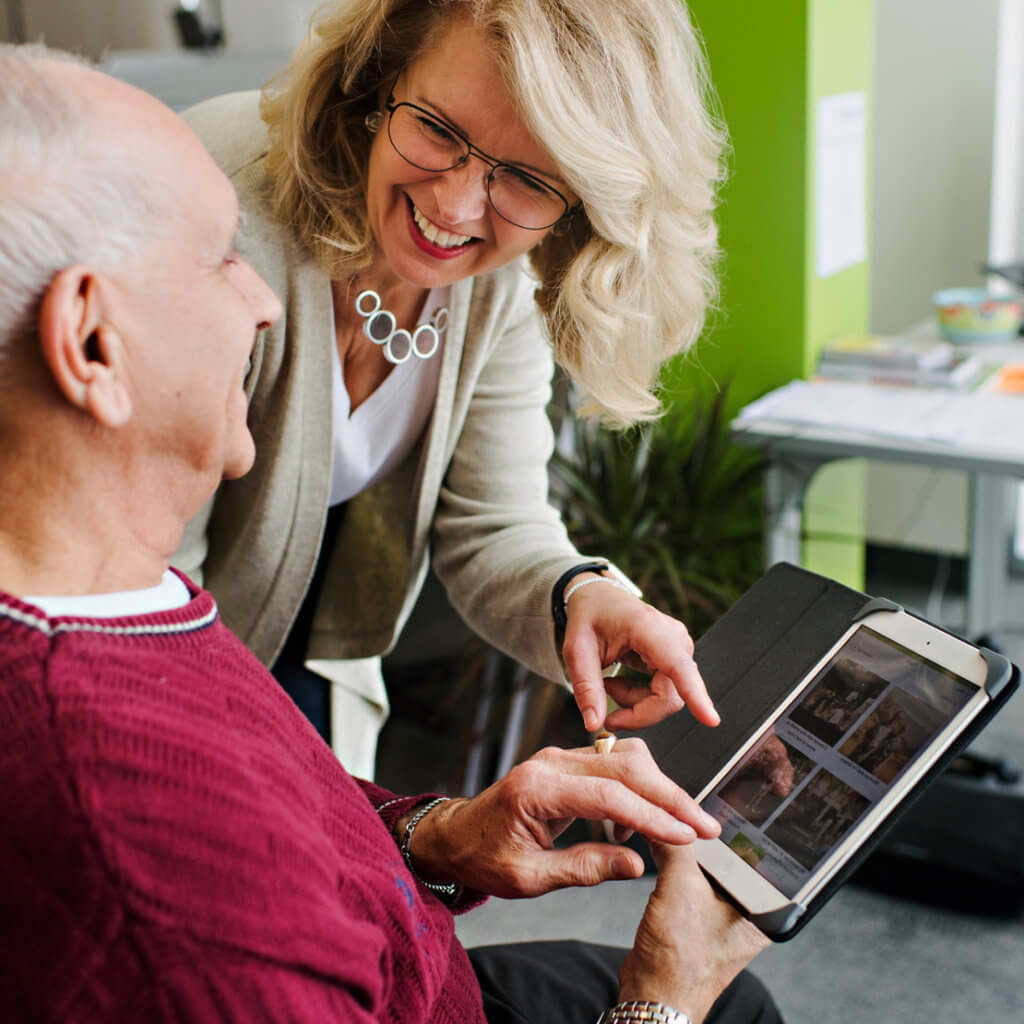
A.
pixel 381 327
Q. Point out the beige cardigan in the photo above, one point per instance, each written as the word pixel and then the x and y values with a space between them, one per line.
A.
pixel 472 497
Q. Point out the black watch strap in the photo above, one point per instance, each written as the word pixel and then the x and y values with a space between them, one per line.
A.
pixel 558 591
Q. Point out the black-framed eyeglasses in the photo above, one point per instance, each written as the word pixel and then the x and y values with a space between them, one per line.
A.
pixel 431 144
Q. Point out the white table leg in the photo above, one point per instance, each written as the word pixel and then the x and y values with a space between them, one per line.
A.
pixel 988 557
pixel 785 483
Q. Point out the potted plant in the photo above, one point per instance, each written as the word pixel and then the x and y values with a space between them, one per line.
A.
pixel 673 503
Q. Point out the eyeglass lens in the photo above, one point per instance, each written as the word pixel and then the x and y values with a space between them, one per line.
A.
pixel 430 145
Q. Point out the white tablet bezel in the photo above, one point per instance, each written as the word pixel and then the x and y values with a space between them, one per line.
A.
pixel 751 890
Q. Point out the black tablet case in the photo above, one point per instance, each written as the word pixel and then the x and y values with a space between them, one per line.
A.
pixel 750 660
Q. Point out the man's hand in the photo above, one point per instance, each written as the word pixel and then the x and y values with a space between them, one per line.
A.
pixel 502 842
pixel 690 943
pixel 605 625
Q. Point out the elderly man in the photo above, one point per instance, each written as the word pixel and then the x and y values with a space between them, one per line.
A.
pixel 177 842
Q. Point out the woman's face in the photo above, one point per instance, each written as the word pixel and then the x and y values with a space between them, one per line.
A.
pixel 458 81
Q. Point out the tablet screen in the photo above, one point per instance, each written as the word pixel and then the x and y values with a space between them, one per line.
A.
pixel 834 752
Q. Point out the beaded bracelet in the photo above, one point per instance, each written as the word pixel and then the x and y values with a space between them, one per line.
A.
pixel 642 1011
pixel 449 889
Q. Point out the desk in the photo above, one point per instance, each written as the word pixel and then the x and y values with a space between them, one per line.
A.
pixel 982 435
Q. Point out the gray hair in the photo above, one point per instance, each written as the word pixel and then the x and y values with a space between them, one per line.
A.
pixel 66 195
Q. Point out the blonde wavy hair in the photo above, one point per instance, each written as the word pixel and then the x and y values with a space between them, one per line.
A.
pixel 617 91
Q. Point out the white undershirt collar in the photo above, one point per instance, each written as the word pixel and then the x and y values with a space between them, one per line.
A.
pixel 168 594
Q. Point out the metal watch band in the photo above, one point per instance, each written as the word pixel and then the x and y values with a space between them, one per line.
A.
pixel 642 1011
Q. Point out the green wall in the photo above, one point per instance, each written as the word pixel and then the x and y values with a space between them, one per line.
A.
pixel 771 62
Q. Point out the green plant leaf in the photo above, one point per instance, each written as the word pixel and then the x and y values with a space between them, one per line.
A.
pixel 673 502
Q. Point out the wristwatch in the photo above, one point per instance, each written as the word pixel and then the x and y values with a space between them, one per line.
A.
pixel 642 1011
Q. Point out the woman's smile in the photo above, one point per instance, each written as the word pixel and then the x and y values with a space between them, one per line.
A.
pixel 433 239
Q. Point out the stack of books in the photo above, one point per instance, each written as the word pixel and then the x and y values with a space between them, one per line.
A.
pixel 915 362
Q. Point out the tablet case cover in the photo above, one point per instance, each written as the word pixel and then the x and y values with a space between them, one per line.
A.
pixel 750 659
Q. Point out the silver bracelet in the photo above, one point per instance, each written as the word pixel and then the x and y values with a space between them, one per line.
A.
pixel 449 889
pixel 642 1011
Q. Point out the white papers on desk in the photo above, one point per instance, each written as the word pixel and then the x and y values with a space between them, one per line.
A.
pixel 970 420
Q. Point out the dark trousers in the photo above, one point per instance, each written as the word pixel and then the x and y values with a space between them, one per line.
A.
pixel 575 982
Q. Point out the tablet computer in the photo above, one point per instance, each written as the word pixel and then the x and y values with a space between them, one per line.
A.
pixel 890 703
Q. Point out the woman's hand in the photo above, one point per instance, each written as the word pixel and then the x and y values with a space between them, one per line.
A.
pixel 605 625
pixel 502 841
pixel 690 943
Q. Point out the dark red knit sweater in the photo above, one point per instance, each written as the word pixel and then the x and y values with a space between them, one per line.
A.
pixel 177 844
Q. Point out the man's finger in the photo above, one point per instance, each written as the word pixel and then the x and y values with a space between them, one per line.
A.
pixel 628 792
pixel 585 864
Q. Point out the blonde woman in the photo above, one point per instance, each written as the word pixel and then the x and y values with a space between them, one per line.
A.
pixel 447 195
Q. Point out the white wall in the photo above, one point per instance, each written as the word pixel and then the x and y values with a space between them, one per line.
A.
pixel 930 213
pixel 1006 235
pixel 266 24
pixel 93 27
pixel 932 157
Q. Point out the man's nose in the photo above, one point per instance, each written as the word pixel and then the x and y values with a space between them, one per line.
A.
pixel 266 306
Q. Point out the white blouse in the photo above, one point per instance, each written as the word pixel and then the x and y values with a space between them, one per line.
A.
pixel 372 441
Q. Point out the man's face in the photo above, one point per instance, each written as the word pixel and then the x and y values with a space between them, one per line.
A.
pixel 194 309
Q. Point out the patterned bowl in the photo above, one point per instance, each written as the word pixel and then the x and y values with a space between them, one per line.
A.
pixel 976 314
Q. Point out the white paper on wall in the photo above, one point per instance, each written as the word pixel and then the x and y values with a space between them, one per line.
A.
pixel 840 189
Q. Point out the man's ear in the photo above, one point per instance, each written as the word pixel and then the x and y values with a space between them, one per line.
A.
pixel 82 349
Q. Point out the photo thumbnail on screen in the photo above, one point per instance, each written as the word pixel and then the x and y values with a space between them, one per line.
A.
pixel 832 754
